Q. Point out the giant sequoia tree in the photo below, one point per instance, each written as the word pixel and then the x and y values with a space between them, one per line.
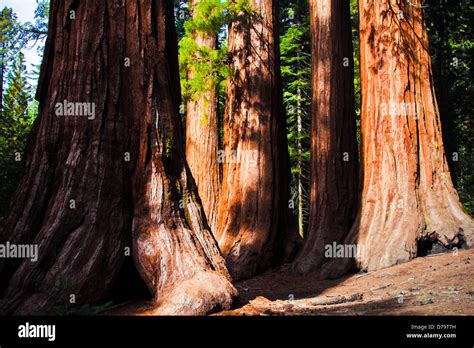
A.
pixel 92 186
pixel 202 135
pixel 254 198
pixel 408 200
pixel 333 131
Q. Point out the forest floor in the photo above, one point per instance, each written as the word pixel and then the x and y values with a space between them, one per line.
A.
pixel 441 284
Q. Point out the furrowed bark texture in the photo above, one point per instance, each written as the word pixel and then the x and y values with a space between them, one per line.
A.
pixel 254 200
pixel 175 251
pixel 202 140
pixel 74 158
pixel 408 197
pixel 334 163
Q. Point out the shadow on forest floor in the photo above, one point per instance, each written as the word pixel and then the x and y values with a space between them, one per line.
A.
pixel 441 284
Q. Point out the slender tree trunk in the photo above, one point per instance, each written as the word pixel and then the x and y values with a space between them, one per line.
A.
pixel 333 197
pixel 86 160
pixel 408 199
pixel 2 72
pixel 202 141
pixel 254 202
pixel 299 149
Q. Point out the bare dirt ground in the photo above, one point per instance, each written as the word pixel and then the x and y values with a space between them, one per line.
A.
pixel 441 284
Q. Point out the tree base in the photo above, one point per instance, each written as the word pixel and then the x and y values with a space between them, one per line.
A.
pixel 204 293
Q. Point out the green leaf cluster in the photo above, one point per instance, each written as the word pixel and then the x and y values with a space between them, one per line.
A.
pixel 203 68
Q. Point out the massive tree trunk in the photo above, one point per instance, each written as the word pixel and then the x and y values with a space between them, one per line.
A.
pixel 175 251
pixel 254 202
pixel 408 199
pixel 82 242
pixel 202 140
pixel 334 163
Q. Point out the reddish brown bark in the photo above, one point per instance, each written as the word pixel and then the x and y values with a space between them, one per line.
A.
pixel 254 198
pixel 334 163
pixel 408 195
pixel 71 157
pixel 202 140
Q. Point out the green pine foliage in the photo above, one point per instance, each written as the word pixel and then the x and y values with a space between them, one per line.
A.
pixel 209 67
pixel 17 94
pixel 19 108
pixel 9 32
pixel 209 17
pixel 295 56
pixel 15 124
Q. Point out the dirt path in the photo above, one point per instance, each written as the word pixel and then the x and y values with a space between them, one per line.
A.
pixel 441 284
